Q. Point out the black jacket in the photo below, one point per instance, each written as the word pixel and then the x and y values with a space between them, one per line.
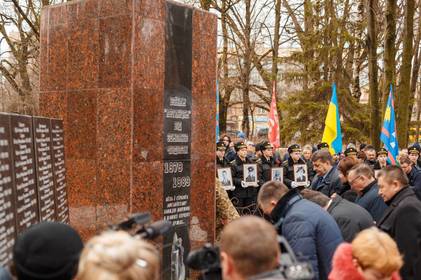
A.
pixel 402 221
pixel 222 163
pixel 414 178
pixel 329 184
pixel 371 163
pixel 371 201
pixel 350 217
pixel 266 166
pixel 377 165
pixel 288 166
pixel 238 176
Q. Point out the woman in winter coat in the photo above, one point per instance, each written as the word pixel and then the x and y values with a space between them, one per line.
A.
pixel 372 255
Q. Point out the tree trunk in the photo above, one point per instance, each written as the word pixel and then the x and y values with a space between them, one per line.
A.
pixel 389 50
pixel 225 86
pixel 416 66
pixel 372 70
pixel 245 75
pixel 402 98
pixel 275 52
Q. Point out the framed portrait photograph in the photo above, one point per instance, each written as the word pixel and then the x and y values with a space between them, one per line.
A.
pixel 225 177
pixel 300 174
pixel 250 175
pixel 277 174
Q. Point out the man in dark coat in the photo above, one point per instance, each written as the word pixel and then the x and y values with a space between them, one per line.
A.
pixel 312 233
pixel 350 217
pixel 370 152
pixel 242 196
pixel 267 161
pixel 229 152
pixel 327 180
pixel 294 158
pixel 412 172
pixel 402 218
pixel 361 178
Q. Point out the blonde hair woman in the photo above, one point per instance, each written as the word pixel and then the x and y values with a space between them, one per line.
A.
pixel 118 256
pixel 372 255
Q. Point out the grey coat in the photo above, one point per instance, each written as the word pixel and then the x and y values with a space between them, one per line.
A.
pixel 350 217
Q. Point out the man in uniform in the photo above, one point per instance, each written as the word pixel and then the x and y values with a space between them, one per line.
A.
pixel 221 161
pixel 414 154
pixel 267 161
pixel 381 159
pixel 225 211
pixel 323 146
pixel 351 152
pixel 294 158
pixel 242 196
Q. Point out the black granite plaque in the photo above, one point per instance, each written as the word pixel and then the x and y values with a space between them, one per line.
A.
pixel 7 193
pixel 27 212
pixel 44 169
pixel 59 169
pixel 177 138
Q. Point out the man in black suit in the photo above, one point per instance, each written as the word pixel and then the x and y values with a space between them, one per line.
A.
pixel 402 219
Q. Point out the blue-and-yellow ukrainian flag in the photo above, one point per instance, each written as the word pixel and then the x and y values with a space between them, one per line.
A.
pixel 388 135
pixel 332 133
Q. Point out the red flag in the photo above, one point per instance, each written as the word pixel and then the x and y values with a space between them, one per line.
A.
pixel 273 120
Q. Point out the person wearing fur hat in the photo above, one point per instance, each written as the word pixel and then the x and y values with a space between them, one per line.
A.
pixel 372 255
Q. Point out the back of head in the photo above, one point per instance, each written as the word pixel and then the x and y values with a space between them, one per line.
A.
pixel 47 251
pixel 315 197
pixel 375 249
pixel 252 244
pixel 346 164
pixel 118 256
pixel 272 190
pixel 363 169
pixel 322 155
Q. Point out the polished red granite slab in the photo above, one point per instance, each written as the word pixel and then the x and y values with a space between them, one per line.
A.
pixel 102 72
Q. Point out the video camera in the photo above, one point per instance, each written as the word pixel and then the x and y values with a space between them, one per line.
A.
pixel 139 225
pixel 207 260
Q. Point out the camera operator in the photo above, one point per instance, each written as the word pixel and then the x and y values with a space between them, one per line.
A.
pixel 116 255
pixel 250 250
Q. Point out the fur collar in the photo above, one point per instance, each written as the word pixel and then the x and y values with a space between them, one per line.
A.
pixel 343 268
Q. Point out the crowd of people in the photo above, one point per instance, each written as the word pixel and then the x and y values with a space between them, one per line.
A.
pixel 348 217
pixel 356 217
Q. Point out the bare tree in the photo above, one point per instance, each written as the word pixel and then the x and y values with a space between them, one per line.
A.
pixel 402 98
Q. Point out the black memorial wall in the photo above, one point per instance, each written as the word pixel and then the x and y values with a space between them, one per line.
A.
pixel 32 176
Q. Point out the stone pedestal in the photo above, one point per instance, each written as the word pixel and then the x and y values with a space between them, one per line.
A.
pixel 112 70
